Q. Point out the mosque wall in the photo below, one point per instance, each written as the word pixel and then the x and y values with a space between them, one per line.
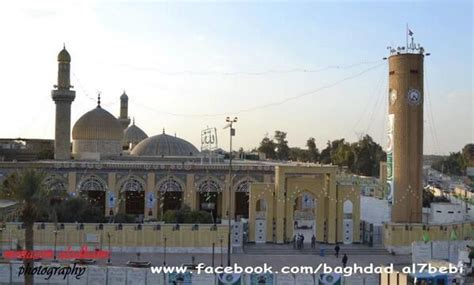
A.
pixel 123 238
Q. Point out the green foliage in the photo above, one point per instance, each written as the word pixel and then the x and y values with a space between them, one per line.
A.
pixel 367 157
pixel 123 218
pixel 27 189
pixel 78 209
pixel 454 164
pixel 267 147
pixel 362 157
pixel 282 148
pixel 186 216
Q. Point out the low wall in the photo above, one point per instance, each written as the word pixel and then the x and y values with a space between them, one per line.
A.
pixel 399 237
pixel 123 237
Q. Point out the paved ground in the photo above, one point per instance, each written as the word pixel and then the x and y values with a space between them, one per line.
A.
pixel 277 256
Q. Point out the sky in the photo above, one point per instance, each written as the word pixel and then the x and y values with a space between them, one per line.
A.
pixel 311 69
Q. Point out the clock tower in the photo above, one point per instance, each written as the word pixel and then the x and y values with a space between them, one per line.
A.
pixel 405 133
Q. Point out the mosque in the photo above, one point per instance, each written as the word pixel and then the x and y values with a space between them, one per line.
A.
pixel 120 168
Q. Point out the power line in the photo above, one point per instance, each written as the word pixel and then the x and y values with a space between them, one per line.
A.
pixel 273 104
pixel 249 73
pixel 434 133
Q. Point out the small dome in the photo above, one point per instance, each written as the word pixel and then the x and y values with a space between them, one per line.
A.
pixel 165 145
pixel 97 124
pixel 64 56
pixel 124 96
pixel 133 135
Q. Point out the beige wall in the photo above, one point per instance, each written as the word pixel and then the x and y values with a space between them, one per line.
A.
pixel 128 238
pixel 404 235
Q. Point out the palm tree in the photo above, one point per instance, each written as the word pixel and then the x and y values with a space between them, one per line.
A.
pixel 26 187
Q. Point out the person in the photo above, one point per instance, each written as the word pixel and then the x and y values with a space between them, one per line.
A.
pixel 313 242
pixel 336 249
pixel 302 241
pixel 471 255
pixel 294 241
pixel 344 261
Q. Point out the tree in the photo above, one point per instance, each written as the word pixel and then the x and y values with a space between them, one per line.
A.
pixel 298 154
pixel 267 147
pixel 282 148
pixel 325 157
pixel 453 164
pixel 312 149
pixel 26 187
pixel 367 157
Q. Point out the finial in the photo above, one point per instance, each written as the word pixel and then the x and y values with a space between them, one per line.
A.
pixel 133 120
pixel 163 130
pixel 98 100
pixel 64 45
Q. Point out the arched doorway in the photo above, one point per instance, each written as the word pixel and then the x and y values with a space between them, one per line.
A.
pixel 210 197
pixel 93 189
pixel 242 199
pixel 170 195
pixel 348 224
pixel 304 216
pixel 132 191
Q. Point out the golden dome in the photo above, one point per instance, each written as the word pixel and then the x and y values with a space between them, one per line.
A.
pixel 64 56
pixel 97 124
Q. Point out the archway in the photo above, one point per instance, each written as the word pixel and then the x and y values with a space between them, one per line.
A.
pixel 304 216
pixel 210 197
pixel 348 223
pixel 241 203
pixel 170 195
pixel 93 189
pixel 132 190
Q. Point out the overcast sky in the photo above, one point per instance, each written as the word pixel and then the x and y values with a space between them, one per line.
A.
pixel 187 65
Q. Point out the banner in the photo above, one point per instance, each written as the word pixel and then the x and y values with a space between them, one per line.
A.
pixel 229 279
pixel 330 279
pixel 261 279
pixel 390 158
pixel 179 278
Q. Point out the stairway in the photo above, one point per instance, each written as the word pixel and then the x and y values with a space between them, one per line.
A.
pixel 286 249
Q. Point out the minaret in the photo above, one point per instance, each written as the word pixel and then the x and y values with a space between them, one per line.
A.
pixel 124 119
pixel 405 151
pixel 63 96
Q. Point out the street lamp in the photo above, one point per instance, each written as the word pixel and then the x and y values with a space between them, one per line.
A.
pixel 55 241
pixel 213 252
pixel 221 239
pixel 232 133
pixel 164 256
pixel 108 258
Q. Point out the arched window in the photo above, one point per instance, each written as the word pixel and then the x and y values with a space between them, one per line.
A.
pixel 92 183
pixel 242 186
pixel 132 184
pixel 55 183
pixel 209 185
pixel 348 207
pixel 170 185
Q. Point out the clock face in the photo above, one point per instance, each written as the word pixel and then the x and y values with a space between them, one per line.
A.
pixel 393 96
pixel 414 97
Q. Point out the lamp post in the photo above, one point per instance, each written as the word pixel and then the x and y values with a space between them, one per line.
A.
pixel 55 241
pixel 213 252
pixel 221 239
pixel 108 257
pixel 164 255
pixel 229 215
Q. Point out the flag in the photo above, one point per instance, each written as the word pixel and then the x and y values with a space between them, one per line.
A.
pixel 426 237
pixel 410 33
pixel 454 236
